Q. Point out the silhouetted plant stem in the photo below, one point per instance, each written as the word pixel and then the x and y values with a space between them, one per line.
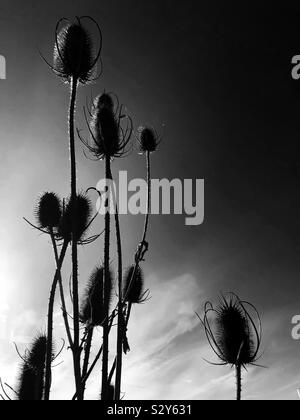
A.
pixel 238 382
pixel 138 258
pixel 50 323
pixel 141 249
pixel 87 352
pixel 113 368
pixel 120 332
pixel 62 294
pixel 106 297
pixel 84 379
pixel 148 198
pixel 76 347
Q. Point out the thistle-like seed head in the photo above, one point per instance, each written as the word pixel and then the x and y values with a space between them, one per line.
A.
pixel 28 383
pixel 48 211
pixel 104 101
pixel 148 140
pixel 32 374
pixel 109 136
pixel 36 356
pixel 92 311
pixel 235 337
pixel 83 210
pixel 74 52
pixel 134 286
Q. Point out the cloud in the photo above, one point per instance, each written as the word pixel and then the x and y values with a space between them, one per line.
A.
pixel 168 348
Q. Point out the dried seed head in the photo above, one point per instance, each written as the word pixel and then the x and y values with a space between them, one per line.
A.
pixel 104 126
pixel 134 287
pixel 83 210
pixel 235 338
pixel 36 356
pixel 74 52
pixel 31 378
pixel 109 135
pixel 104 101
pixel 48 211
pixel 29 387
pixel 92 307
pixel 148 140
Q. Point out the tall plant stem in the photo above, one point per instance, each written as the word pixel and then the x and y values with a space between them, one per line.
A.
pixel 76 347
pixel 120 306
pixel 238 382
pixel 86 377
pixel 104 387
pixel 137 262
pixel 139 254
pixel 50 323
pixel 87 352
pixel 62 294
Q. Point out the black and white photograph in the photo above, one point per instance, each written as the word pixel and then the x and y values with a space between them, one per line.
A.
pixel 149 203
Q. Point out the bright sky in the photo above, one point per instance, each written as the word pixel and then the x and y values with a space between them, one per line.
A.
pixel 171 66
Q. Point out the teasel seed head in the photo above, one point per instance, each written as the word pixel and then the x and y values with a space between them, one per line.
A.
pixel 74 52
pixel 134 287
pixel 236 335
pixel 110 137
pixel 83 211
pixel 32 375
pixel 148 140
pixel 92 312
pixel 37 355
pixel 48 211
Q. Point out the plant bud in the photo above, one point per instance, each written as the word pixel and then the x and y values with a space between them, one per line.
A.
pixel 48 212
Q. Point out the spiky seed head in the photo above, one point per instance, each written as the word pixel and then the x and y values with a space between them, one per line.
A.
pixel 148 140
pixel 92 310
pixel 48 211
pixel 74 53
pixel 29 388
pixel 104 101
pixel 32 374
pixel 109 134
pixel 36 356
pixel 105 127
pixel 83 210
pixel 235 337
pixel 133 287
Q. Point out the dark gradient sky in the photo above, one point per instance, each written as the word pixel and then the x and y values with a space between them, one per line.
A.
pixel 218 77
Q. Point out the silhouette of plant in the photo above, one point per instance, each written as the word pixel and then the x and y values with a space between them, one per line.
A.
pixel 31 384
pixel 148 142
pixel 67 222
pixel 235 336
pixel 109 139
pixel 75 62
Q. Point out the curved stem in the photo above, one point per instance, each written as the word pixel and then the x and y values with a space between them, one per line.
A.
pixel 50 324
pixel 139 254
pixel 62 295
pixel 104 387
pixel 138 260
pixel 238 382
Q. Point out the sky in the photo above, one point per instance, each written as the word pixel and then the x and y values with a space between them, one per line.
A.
pixel 215 80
